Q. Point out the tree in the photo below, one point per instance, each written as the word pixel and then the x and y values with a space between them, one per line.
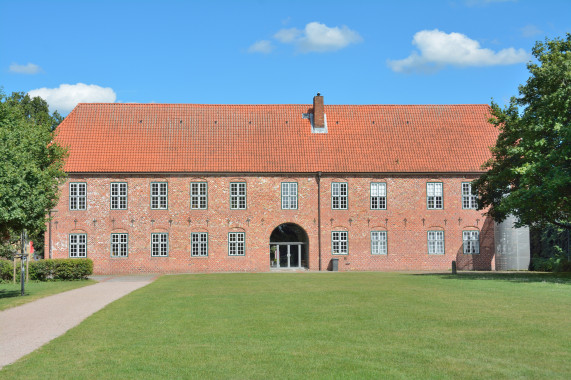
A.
pixel 529 174
pixel 31 167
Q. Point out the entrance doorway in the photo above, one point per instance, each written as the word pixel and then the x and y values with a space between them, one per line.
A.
pixel 288 247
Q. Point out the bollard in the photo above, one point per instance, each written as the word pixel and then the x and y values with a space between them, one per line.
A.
pixel 453 267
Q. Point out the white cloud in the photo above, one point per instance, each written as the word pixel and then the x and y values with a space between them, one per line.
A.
pixel 262 46
pixel 287 35
pixel 318 37
pixel 530 31
pixel 29 69
pixel 438 49
pixel 65 97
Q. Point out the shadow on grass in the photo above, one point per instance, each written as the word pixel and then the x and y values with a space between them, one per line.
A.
pixel 556 278
pixel 9 293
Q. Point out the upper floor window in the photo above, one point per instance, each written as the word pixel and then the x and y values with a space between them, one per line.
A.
pixel 339 195
pixel 436 242
pixel 237 243
pixel 434 195
pixel 199 244
pixel 378 196
pixel 77 245
pixel 198 195
pixel 118 196
pixel 289 195
pixel 339 242
pixel 119 245
pixel 468 199
pixel 238 195
pixel 159 195
pixel 77 195
pixel 160 244
pixel 379 242
pixel 471 240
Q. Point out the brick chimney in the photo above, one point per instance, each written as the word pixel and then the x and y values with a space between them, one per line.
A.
pixel 318 112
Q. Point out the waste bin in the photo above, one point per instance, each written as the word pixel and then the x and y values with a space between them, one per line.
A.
pixel 334 265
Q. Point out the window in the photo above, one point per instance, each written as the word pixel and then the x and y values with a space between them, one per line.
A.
pixel 238 195
pixel 339 243
pixel 378 196
pixel 119 196
pixel 471 242
pixel 199 244
pixel 198 196
pixel 339 195
pixel 77 245
pixel 468 199
pixel 119 245
pixel 434 195
pixel 160 244
pixel 289 195
pixel 379 242
pixel 159 195
pixel 436 242
pixel 236 243
pixel 77 195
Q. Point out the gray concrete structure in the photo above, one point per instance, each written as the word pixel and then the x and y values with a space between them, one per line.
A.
pixel 512 246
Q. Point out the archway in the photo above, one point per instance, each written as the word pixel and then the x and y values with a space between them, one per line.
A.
pixel 289 247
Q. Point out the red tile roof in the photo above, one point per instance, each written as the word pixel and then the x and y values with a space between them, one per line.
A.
pixel 275 138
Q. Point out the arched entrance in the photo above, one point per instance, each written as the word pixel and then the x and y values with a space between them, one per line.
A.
pixel 288 247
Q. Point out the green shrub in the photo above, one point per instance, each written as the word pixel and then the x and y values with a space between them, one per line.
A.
pixel 46 270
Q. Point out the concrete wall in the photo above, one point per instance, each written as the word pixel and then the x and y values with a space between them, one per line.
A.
pixel 406 221
pixel 512 246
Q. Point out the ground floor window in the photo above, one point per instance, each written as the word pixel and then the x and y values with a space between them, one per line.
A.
pixel 436 242
pixel 199 244
pixel 379 242
pixel 236 243
pixel 471 241
pixel 77 245
pixel 339 242
pixel 160 244
pixel 119 245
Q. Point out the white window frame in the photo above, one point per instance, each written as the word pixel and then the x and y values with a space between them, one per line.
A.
pixel 159 195
pixel 77 245
pixel 339 195
pixel 238 195
pixel 378 195
pixel 159 244
pixel 471 242
pixel 434 195
pixel 469 200
pixel 236 244
pixel 339 242
pixel 199 244
pixel 198 195
pixel 119 193
pixel 379 243
pixel 435 242
pixel 119 245
pixel 289 195
pixel 77 196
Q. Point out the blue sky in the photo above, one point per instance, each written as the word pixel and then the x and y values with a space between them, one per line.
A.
pixel 272 52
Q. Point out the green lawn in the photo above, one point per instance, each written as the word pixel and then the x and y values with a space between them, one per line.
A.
pixel 10 293
pixel 321 325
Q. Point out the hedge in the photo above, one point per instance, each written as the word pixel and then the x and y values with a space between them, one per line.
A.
pixel 46 270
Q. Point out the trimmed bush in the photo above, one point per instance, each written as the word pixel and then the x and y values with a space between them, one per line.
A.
pixel 46 270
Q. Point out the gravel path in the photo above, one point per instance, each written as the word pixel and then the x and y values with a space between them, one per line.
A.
pixel 26 328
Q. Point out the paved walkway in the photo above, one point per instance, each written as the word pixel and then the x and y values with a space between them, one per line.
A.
pixel 25 328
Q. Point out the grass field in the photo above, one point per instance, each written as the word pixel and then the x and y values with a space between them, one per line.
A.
pixel 10 293
pixel 321 325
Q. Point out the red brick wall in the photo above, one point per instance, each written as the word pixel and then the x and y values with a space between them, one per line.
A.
pixel 406 221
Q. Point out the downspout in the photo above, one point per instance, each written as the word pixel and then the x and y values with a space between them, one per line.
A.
pixel 50 238
pixel 319 216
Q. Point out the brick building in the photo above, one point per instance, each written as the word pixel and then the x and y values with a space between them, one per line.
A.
pixel 206 188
